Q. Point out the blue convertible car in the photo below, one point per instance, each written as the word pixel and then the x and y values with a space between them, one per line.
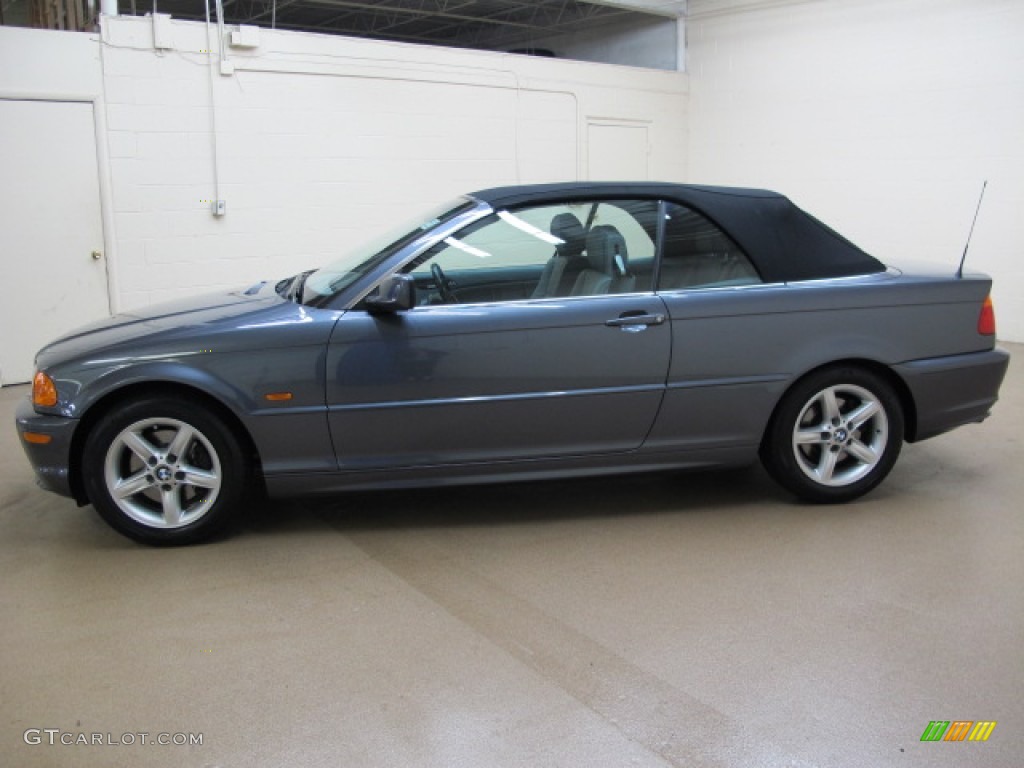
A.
pixel 521 333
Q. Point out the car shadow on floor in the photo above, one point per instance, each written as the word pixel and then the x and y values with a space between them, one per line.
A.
pixel 519 503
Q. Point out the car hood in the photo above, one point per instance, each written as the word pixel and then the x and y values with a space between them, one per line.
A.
pixel 157 319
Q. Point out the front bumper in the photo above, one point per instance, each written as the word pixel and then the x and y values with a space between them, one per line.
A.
pixel 52 461
pixel 951 391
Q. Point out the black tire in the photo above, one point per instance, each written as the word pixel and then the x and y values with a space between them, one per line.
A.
pixel 835 435
pixel 167 499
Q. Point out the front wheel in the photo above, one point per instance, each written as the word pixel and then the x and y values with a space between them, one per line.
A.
pixel 162 471
pixel 835 435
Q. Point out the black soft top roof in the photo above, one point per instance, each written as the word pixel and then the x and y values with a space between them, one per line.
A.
pixel 784 242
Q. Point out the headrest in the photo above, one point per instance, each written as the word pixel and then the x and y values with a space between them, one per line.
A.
pixel 606 251
pixel 566 227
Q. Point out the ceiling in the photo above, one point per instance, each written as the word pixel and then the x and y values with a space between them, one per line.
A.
pixel 484 24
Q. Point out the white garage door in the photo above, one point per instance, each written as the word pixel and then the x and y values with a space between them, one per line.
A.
pixel 50 225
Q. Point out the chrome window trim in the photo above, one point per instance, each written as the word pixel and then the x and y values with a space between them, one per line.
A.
pixel 885 275
pixel 546 300
pixel 703 289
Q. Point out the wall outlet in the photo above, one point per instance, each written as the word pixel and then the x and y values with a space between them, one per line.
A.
pixel 220 207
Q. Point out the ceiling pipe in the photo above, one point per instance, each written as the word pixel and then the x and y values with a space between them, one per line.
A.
pixel 221 39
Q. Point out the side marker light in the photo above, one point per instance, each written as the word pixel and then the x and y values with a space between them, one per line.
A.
pixel 44 391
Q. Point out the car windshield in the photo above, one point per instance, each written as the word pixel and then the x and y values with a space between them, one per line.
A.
pixel 346 269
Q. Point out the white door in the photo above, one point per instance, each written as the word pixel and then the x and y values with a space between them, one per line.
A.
pixel 50 226
pixel 617 152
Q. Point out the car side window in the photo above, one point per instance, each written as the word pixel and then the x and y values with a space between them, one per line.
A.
pixel 697 254
pixel 570 249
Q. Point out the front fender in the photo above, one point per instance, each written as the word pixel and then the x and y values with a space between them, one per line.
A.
pixel 79 392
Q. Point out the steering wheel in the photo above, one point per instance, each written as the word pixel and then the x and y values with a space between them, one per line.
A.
pixel 444 288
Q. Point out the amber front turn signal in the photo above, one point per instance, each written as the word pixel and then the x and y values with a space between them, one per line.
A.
pixel 37 438
pixel 44 391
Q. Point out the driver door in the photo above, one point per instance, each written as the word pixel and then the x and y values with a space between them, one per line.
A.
pixel 481 370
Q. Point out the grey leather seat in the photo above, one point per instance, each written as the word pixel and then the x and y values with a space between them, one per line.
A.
pixel 560 272
pixel 607 265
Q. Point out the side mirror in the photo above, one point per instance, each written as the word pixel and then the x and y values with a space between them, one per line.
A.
pixel 397 293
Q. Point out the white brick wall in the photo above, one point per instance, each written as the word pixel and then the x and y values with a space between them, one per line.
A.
pixel 882 116
pixel 322 141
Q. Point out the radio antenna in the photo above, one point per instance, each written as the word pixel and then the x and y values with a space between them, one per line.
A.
pixel 960 271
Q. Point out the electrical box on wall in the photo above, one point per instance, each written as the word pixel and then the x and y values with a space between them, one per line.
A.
pixel 163 34
pixel 246 36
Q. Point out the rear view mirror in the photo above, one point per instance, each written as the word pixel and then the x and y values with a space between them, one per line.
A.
pixel 396 293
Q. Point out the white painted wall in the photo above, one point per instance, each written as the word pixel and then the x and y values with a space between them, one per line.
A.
pixel 881 116
pixel 323 140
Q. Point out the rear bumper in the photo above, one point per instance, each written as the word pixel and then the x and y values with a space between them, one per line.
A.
pixel 52 462
pixel 951 391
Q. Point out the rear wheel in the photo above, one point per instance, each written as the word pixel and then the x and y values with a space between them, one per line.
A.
pixel 835 435
pixel 162 471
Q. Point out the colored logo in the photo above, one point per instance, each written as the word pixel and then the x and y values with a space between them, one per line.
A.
pixel 958 730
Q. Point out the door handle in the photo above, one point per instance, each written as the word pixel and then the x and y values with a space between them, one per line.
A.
pixel 632 321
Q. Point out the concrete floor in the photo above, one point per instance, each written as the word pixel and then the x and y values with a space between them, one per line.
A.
pixel 701 620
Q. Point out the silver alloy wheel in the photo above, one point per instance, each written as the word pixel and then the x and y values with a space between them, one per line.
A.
pixel 840 435
pixel 162 472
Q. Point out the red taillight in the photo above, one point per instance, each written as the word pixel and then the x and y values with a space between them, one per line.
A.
pixel 987 318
